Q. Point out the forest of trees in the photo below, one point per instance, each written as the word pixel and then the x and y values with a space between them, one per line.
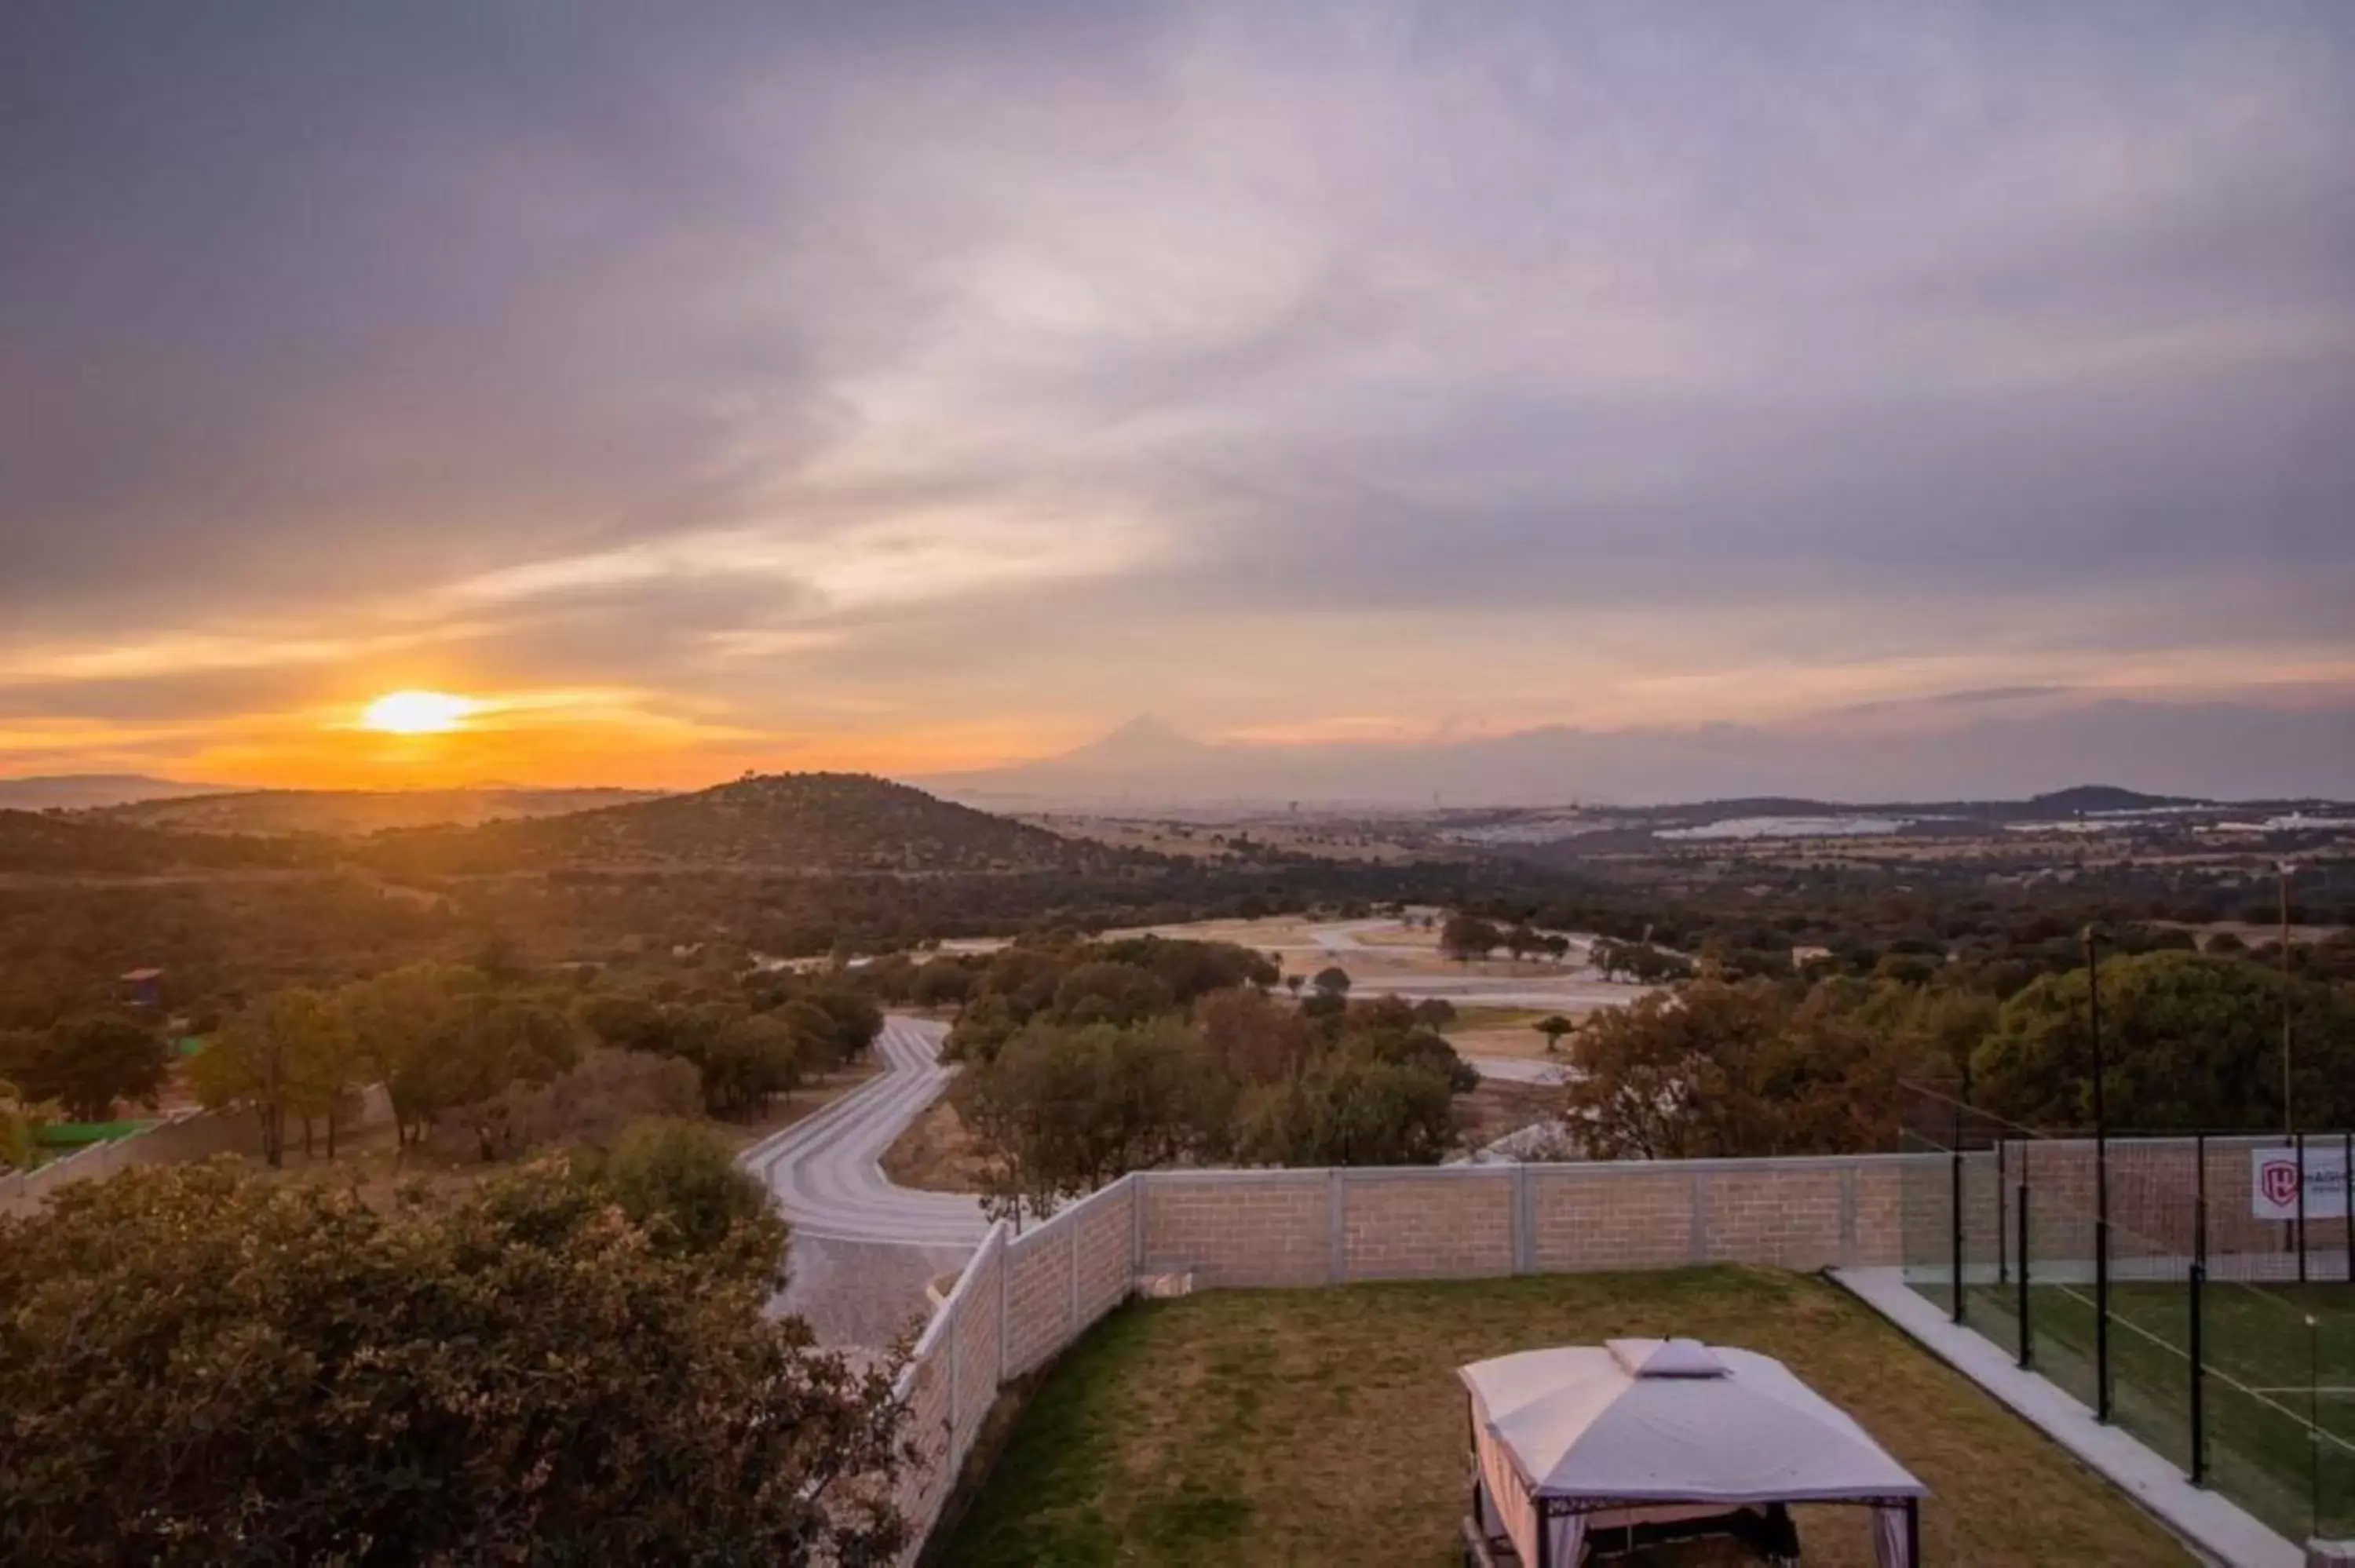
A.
pixel 1750 1066
pixel 1086 1061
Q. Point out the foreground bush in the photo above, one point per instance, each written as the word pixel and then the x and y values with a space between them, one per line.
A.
pixel 201 1366
pixel 680 1180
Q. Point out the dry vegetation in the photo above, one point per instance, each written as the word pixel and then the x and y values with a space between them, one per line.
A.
pixel 936 1153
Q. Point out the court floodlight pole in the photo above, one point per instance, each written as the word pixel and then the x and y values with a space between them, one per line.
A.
pixel 1955 1207
pixel 2197 1306
pixel 2289 1113
pixel 2101 1181
pixel 2313 1425
pixel 2297 1152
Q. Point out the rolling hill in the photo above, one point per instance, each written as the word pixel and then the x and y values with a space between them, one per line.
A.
pixel 83 791
pixel 354 813
pixel 779 822
pixel 46 843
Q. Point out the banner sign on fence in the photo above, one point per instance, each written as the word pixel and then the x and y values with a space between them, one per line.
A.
pixel 2273 1182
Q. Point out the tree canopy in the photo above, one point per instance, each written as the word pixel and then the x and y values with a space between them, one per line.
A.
pixel 197 1366
pixel 87 1063
pixel 2191 1040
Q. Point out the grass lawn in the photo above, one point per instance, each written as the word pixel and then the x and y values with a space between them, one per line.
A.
pixel 1326 1426
pixel 2262 1430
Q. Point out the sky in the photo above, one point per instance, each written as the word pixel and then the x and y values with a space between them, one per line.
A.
pixel 926 386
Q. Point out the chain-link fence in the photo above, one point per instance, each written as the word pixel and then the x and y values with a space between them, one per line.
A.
pixel 2196 1290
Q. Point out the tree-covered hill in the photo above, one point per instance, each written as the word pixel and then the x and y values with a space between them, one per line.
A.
pixel 46 843
pixel 785 822
pixel 353 813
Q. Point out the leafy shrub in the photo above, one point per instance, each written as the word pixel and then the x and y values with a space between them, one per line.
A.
pixel 201 1366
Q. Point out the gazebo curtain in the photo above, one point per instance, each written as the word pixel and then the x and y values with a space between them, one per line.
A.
pixel 1565 1538
pixel 1506 1503
pixel 1893 1535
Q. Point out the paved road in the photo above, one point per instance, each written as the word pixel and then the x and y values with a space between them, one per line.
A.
pixel 863 1248
pixel 826 1172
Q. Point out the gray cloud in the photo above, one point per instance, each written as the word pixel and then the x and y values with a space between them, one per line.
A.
pixel 1835 333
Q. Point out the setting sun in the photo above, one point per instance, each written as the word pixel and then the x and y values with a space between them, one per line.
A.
pixel 416 713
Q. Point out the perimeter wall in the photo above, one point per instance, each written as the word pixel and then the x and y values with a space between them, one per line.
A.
pixel 1022 1298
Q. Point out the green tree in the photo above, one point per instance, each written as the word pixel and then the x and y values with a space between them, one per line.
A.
pixel 1351 1111
pixel 207 1367
pixel 272 1059
pixel 406 1025
pixel 856 1021
pixel 87 1063
pixel 1728 1068
pixel 1107 991
pixel 681 1182
pixel 748 1059
pixel 944 982
pixel 1332 980
pixel 1554 1027
pixel 18 1121
pixel 1060 1110
pixel 2192 1040
pixel 1468 937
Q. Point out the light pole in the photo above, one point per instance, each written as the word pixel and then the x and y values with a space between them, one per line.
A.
pixel 2289 1111
pixel 2101 1181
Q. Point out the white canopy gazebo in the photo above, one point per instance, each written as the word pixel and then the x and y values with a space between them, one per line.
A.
pixel 1593 1448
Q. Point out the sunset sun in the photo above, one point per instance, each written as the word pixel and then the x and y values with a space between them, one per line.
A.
pixel 416 713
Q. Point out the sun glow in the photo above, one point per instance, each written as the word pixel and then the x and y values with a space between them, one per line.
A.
pixel 416 713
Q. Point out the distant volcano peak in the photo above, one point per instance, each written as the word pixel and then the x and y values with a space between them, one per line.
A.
pixel 1141 736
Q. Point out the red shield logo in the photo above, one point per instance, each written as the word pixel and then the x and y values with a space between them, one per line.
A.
pixel 2278 1179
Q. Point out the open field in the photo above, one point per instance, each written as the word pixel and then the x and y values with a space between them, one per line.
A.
pixel 1368 954
pixel 1509 1031
pixel 1326 1426
pixel 2280 1406
pixel 1206 841
pixel 1277 932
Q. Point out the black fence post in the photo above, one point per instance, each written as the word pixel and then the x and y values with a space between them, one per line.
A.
pixel 2198 1303
pixel 2002 1248
pixel 1956 1203
pixel 2102 1318
pixel 2101 1181
pixel 2026 1335
pixel 2199 1380
pixel 2297 1152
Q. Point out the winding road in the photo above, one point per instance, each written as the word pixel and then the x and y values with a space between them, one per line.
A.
pixel 828 1174
pixel 863 1248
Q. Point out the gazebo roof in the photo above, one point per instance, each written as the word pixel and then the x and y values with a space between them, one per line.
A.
pixel 1674 1421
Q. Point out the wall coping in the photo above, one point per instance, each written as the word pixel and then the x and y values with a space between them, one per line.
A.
pixel 1602 1169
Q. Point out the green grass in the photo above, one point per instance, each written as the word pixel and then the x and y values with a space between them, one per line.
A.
pixel 2261 1447
pixel 1326 1426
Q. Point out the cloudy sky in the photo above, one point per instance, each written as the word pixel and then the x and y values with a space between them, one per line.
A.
pixel 922 387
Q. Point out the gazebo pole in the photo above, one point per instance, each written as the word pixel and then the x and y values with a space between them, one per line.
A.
pixel 1913 1533
pixel 1545 1536
pixel 1472 1451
